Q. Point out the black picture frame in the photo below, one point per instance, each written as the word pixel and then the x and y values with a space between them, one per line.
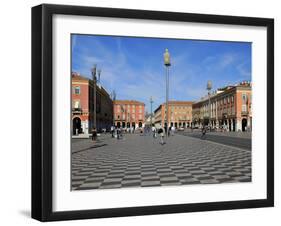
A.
pixel 42 95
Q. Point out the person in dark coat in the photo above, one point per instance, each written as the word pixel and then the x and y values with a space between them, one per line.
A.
pixel 203 132
pixel 94 134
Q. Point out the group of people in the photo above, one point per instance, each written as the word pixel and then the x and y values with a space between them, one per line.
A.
pixel 160 131
pixel 116 132
pixel 145 130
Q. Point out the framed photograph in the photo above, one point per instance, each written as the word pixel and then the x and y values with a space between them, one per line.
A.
pixel 146 112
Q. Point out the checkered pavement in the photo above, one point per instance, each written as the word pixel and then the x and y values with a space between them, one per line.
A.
pixel 141 161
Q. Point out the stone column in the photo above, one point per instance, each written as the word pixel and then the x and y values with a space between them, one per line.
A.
pixel 238 125
pixel 251 123
pixel 248 123
pixel 86 128
pixel 227 125
pixel 83 126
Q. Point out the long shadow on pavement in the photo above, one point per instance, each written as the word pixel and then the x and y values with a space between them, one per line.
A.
pixel 94 146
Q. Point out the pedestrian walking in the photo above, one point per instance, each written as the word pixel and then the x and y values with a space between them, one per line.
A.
pixel 169 130
pixel 224 128
pixel 173 130
pixel 154 134
pixel 94 134
pixel 121 133
pixel 112 131
pixel 162 134
pixel 203 136
pixel 146 130
pixel 117 132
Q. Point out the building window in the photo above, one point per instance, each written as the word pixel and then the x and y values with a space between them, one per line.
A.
pixel 244 98
pixel 118 108
pixel 76 104
pixel 77 90
pixel 232 99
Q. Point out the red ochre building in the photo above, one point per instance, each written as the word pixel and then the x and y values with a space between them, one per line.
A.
pixel 230 108
pixel 83 106
pixel 129 114
pixel 179 115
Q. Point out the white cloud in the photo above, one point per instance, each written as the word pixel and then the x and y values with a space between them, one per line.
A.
pixel 226 60
pixel 187 80
pixel 241 68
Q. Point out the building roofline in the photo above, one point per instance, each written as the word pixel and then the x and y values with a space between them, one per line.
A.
pixel 128 102
pixel 175 102
pixel 180 102
pixel 76 77
pixel 225 92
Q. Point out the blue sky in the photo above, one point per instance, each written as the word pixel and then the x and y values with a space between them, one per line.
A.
pixel 133 67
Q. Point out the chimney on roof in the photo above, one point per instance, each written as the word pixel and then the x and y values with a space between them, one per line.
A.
pixel 75 74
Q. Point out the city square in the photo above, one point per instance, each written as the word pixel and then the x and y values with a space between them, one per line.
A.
pixel 139 160
pixel 159 124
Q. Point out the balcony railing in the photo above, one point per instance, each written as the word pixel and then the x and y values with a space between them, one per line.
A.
pixel 77 110
pixel 244 112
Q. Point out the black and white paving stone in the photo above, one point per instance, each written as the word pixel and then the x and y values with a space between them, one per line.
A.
pixel 141 161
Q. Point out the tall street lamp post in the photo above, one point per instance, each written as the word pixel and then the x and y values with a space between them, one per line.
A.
pixel 99 72
pixel 209 87
pixel 151 101
pixel 95 80
pixel 94 77
pixel 113 98
pixel 167 63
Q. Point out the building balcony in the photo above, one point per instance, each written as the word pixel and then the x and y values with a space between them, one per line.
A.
pixel 76 110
